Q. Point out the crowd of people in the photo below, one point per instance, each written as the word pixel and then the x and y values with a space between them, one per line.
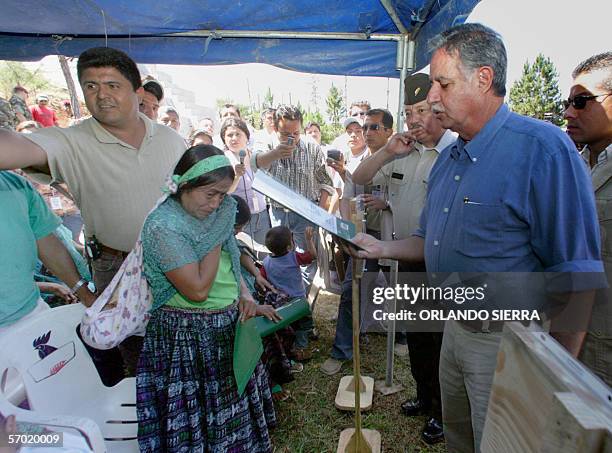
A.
pixel 469 187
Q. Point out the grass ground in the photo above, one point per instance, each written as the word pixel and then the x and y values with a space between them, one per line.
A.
pixel 310 423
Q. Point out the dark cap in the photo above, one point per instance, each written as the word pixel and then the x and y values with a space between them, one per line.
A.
pixel 416 87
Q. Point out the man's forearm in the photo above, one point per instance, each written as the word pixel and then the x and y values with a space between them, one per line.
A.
pixel 367 169
pixel 17 151
pixel 569 326
pixel 410 249
pixel 56 258
pixel 265 159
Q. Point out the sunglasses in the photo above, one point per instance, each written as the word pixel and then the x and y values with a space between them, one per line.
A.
pixel 373 127
pixel 579 102
pixel 358 114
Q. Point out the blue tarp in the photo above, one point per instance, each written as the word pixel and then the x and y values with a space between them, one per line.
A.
pixel 32 29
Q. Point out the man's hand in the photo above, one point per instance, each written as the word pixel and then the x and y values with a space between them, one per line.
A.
pixel 371 247
pixel 337 165
pixel 269 312
pixel 284 151
pixel 61 291
pixel 372 202
pixel 400 144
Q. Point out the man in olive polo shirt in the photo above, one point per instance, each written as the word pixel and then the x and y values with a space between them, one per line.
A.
pixel 406 178
pixel 113 163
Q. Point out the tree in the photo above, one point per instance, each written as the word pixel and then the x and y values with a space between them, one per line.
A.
pixel 536 93
pixel 328 131
pixel 13 73
pixel 335 105
pixel 268 99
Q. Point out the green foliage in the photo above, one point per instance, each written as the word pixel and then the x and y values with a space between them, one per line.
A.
pixel 13 73
pixel 249 114
pixel 537 93
pixel 335 105
pixel 268 99
pixel 328 131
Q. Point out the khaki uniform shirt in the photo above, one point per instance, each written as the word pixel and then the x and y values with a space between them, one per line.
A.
pixel 114 184
pixel 406 179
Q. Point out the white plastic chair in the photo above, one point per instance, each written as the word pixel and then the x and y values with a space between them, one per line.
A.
pixel 61 380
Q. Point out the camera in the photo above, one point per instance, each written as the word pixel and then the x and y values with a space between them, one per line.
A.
pixel 334 154
pixel 289 141
pixel 92 248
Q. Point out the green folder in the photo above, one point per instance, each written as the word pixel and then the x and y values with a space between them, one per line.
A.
pixel 294 310
pixel 247 352
pixel 248 346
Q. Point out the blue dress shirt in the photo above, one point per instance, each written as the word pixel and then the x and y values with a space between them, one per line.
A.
pixel 516 198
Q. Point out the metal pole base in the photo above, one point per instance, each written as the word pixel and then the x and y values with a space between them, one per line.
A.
pixel 385 390
pixel 368 442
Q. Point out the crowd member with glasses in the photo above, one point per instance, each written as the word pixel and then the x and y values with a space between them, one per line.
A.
pixel 588 112
pixel 379 127
pixel 300 165
pixel 510 195
pixel 406 179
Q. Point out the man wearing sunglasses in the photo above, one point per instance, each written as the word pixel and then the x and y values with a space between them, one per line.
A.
pixel 588 112
pixel 378 127
pixel 509 198
pixel 406 178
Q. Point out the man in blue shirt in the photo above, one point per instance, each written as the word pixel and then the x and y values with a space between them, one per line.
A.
pixel 511 195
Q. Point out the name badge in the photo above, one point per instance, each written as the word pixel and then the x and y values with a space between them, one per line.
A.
pixel 397 176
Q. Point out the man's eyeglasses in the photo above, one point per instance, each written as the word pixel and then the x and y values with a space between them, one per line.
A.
pixel 579 102
pixel 373 127
pixel 358 114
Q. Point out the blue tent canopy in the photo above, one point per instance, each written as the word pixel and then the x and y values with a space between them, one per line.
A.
pixel 357 37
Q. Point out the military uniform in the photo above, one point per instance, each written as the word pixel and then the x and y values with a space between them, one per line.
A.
pixel 19 106
pixel 7 115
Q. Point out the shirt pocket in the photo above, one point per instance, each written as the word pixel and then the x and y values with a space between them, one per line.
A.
pixel 480 230
pixel 604 213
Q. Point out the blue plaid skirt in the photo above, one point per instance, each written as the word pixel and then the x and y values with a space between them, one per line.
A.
pixel 187 399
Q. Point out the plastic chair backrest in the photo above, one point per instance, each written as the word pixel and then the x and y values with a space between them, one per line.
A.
pixel 56 369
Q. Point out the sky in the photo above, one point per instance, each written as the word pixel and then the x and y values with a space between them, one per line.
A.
pixel 566 31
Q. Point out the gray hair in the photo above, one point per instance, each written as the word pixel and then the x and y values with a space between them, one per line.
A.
pixel 596 63
pixel 476 46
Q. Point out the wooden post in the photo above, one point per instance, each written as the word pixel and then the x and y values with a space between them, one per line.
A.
pixel 357 440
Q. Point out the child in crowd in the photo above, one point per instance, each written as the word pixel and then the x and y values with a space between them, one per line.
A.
pixel 282 269
pixel 280 367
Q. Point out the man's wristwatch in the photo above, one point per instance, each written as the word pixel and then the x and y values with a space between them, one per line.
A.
pixel 78 286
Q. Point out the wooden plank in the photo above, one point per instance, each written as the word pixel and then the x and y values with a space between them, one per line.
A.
pixel 573 427
pixel 531 368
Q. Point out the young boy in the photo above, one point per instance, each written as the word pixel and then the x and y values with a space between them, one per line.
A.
pixel 282 269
